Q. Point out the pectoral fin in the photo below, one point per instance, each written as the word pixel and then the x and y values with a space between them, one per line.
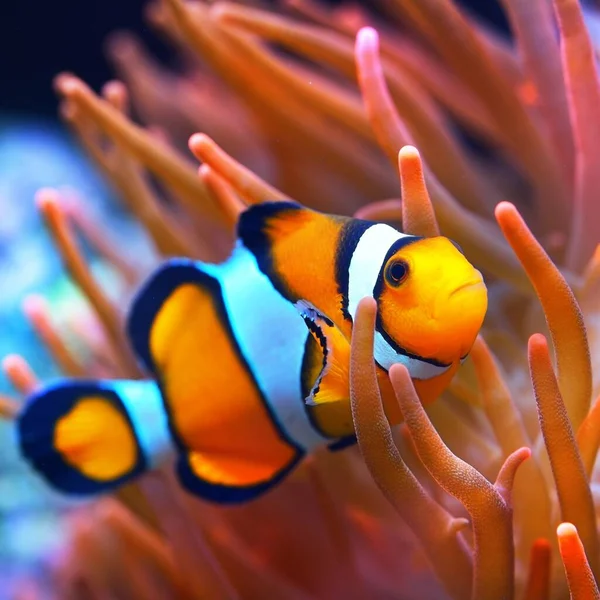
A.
pixel 332 382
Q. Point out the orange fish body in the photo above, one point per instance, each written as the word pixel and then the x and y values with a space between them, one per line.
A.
pixel 250 358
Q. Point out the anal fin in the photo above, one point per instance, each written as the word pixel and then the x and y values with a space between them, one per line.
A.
pixel 230 479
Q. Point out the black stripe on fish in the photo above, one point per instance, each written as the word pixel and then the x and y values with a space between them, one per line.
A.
pixel 349 237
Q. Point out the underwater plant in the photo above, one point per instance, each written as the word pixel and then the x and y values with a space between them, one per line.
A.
pixel 492 492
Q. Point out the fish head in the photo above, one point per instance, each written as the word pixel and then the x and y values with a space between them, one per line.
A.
pixel 431 300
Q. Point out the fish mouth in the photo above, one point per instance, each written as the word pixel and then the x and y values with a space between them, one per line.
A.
pixel 467 285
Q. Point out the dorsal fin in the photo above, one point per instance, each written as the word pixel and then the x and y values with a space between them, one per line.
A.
pixel 262 224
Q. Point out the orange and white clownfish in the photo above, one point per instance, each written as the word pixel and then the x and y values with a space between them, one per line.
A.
pixel 250 358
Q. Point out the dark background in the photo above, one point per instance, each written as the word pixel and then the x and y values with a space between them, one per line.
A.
pixel 39 38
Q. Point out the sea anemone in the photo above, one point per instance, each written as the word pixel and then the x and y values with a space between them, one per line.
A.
pixel 509 138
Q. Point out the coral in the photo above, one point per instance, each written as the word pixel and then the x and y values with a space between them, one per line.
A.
pixel 492 490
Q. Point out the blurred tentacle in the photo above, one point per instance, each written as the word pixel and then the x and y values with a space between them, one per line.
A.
pixel 533 26
pixel 202 237
pixel 588 437
pixel 37 311
pixel 330 147
pixel 9 407
pixel 99 238
pixel 475 234
pixel 199 566
pixel 445 27
pixel 572 484
pixel 381 210
pixel 561 310
pixel 590 288
pixel 538 578
pixel 421 115
pixel 223 192
pixel 583 91
pixel 404 52
pixel 20 374
pixel 141 541
pixel 454 174
pixel 49 206
pixel 127 177
pixel 532 507
pixel 247 184
pixel 157 156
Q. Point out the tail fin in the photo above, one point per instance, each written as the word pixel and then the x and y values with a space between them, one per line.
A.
pixel 89 437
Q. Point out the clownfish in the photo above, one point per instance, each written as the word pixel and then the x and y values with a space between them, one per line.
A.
pixel 250 358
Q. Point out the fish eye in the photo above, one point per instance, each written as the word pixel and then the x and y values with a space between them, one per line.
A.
pixel 396 272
